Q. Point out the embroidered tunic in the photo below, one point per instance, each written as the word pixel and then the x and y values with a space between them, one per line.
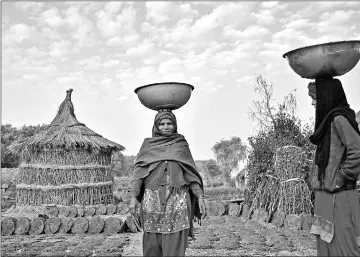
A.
pixel 164 209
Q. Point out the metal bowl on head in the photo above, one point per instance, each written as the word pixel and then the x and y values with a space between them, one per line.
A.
pixel 165 95
pixel 324 60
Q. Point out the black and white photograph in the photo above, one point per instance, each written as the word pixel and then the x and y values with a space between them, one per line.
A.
pixel 180 128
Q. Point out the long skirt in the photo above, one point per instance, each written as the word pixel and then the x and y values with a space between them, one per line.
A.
pixel 346 218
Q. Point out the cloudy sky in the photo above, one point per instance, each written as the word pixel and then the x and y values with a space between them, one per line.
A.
pixel 104 50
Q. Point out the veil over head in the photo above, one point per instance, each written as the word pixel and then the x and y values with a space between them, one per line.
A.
pixel 163 114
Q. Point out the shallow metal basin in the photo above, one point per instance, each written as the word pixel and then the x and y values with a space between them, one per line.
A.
pixel 165 95
pixel 323 60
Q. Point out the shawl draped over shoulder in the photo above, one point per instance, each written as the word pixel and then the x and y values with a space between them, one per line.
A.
pixel 174 147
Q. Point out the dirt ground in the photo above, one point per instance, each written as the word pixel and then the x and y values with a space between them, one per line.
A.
pixel 221 236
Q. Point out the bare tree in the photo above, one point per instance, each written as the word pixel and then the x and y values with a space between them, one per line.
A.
pixel 264 110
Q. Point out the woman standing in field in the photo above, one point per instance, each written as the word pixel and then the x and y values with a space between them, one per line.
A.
pixel 169 187
pixel 336 167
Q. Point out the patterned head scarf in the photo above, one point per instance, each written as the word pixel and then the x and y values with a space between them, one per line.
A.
pixel 312 90
pixel 163 114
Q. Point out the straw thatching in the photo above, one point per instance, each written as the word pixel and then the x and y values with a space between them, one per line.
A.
pixel 358 117
pixel 65 164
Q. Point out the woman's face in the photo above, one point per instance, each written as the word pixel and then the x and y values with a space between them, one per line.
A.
pixel 166 126
pixel 313 102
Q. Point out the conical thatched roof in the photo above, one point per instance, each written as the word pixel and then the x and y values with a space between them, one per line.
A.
pixel 67 132
pixel 358 117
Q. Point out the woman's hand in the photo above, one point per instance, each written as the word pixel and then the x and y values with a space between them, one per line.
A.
pixel 202 207
pixel 132 205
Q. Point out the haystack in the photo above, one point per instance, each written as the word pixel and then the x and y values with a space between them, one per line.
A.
pixel 284 189
pixel 66 164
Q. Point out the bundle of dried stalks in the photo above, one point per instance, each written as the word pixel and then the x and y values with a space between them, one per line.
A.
pixel 64 195
pixel 285 189
pixel 65 164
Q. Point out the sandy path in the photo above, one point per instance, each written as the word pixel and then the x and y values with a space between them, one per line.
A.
pixel 134 248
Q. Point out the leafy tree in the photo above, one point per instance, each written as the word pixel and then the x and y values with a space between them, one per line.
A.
pixel 117 160
pixel 9 135
pixel 228 154
pixel 213 168
pixel 124 165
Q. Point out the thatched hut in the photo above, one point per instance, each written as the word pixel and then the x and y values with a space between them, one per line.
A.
pixel 358 117
pixel 65 164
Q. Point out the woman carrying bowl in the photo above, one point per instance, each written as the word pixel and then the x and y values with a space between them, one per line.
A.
pixel 169 187
pixel 336 167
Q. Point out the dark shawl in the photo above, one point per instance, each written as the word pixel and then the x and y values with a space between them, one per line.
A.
pixel 330 102
pixel 173 147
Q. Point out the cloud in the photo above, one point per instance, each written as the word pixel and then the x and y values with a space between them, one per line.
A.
pixel 196 34
pixel 289 35
pixel 82 29
pixel 59 49
pixel 5 22
pixel 111 25
pixel 18 33
pixel 335 21
pixel 225 59
pixel 69 80
pixel 274 49
pixel 215 87
pixel 52 18
pixel 299 24
pixel 111 63
pixel 127 18
pixel 129 40
pixel 269 5
pixel 105 82
pixel 251 32
pixel 186 9
pixel 157 12
pixel 171 65
pixel 113 7
pixel 31 76
pixel 143 49
pixel 264 17
pixel 35 52
pixel 92 63
pixel 122 98
pixel 245 81
pixel 31 8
